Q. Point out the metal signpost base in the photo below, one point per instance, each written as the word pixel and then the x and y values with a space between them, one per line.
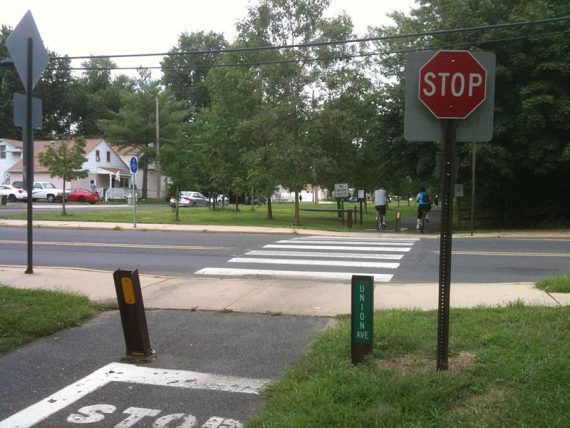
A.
pixel 445 245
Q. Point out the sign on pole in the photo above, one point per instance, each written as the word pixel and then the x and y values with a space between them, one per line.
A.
pixel 341 190
pixel 134 167
pixel 20 111
pixel 419 122
pixel 134 164
pixel 444 90
pixel 30 59
pixel 17 44
pixel 452 84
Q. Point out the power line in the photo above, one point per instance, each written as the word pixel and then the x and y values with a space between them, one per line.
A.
pixel 330 43
pixel 329 58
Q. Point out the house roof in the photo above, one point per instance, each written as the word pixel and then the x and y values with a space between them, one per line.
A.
pixel 15 143
pixel 41 145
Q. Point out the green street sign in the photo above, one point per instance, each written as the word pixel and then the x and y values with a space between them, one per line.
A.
pixel 362 316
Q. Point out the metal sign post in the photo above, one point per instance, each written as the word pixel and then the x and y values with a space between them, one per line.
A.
pixel 445 246
pixel 30 59
pixel 134 166
pixel 449 96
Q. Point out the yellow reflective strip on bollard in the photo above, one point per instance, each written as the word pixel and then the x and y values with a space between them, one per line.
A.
pixel 128 291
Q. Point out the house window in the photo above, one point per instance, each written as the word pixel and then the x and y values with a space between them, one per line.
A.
pixel 2 151
pixel 97 155
pixel 108 156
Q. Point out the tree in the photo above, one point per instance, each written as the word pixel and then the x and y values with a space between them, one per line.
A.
pixel 185 73
pixel 65 159
pixel 287 84
pixel 9 84
pixel 177 160
pixel 134 124
pixel 56 89
pixel 96 96
pixel 530 153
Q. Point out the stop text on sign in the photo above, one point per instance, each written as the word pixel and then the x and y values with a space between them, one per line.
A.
pixel 455 85
pixel 452 84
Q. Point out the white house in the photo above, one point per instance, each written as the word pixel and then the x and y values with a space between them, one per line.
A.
pixel 10 153
pixel 108 169
pixel 126 154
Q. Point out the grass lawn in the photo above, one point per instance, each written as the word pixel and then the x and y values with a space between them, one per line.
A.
pixel 555 284
pixel 26 315
pixel 283 216
pixel 508 368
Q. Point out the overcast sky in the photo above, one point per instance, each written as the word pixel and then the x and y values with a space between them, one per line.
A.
pixel 106 27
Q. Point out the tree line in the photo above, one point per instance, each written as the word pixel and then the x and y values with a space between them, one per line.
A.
pixel 233 118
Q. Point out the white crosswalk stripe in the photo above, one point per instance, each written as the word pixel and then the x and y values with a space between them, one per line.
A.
pixel 324 255
pixel 332 253
pixel 315 262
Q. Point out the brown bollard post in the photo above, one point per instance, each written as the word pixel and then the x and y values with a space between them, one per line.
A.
pixel 349 219
pixel 133 318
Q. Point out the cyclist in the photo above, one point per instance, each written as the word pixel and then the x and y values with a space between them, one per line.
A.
pixel 380 204
pixel 424 206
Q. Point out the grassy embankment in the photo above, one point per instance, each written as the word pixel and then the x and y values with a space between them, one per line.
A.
pixel 26 314
pixel 283 216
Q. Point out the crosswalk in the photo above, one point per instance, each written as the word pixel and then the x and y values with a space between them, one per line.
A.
pixel 321 258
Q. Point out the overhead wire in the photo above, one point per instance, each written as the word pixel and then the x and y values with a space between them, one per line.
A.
pixel 330 42
pixel 340 57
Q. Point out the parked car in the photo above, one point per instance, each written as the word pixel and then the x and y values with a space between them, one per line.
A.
pixel 13 193
pixel 83 195
pixel 256 201
pixel 43 190
pixel 221 199
pixel 190 199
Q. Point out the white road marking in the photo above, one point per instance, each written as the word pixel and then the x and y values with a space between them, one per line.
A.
pixel 343 242
pixel 339 247
pixel 335 276
pixel 128 373
pixel 315 262
pixel 322 254
pixel 349 238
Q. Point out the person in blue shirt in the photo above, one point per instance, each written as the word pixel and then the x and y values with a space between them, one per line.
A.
pixel 424 206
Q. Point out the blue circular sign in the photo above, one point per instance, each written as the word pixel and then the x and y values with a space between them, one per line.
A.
pixel 134 165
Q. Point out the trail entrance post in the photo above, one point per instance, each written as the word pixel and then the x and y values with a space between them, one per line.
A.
pixel 30 59
pixel 451 85
pixel 362 317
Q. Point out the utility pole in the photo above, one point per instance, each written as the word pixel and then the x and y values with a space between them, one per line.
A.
pixel 157 162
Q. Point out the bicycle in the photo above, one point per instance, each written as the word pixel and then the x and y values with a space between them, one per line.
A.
pixel 423 220
pixel 380 221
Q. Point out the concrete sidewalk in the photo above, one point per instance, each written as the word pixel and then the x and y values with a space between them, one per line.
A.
pixel 308 298
pixel 297 297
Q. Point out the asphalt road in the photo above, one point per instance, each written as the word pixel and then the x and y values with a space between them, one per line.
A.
pixel 475 260
pixel 75 377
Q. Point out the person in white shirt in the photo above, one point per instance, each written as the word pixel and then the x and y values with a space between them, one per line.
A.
pixel 380 200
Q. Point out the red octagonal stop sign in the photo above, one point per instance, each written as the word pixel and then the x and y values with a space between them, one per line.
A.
pixel 452 84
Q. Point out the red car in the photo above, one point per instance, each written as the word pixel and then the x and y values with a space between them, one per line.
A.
pixel 82 195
